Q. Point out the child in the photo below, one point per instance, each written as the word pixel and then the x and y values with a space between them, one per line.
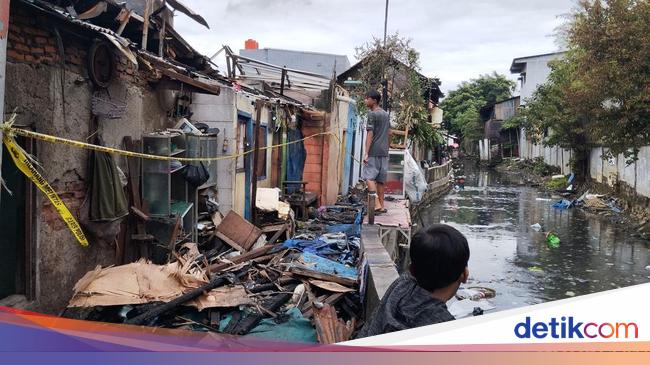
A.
pixel 439 256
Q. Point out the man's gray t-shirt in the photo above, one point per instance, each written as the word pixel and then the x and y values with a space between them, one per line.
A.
pixel 379 124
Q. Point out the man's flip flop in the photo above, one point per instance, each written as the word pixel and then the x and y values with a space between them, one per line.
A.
pixel 381 211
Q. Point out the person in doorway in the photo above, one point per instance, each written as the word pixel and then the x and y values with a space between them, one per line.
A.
pixel 439 256
pixel 375 169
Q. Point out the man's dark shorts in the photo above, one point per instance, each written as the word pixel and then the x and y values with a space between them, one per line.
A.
pixel 376 169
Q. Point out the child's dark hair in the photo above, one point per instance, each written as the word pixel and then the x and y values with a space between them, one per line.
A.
pixel 374 94
pixel 439 255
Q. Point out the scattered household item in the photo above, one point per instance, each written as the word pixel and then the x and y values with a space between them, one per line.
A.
pixel 563 204
pixel 415 182
pixel 463 308
pixel 553 240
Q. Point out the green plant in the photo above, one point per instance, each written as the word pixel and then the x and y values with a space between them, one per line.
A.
pixel 556 184
pixel 398 63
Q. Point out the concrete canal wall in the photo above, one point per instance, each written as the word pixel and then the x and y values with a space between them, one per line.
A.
pixel 606 171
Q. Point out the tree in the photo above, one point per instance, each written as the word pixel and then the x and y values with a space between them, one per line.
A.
pixel 610 49
pixel 398 63
pixel 553 117
pixel 600 92
pixel 463 104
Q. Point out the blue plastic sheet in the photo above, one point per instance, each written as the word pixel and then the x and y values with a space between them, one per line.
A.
pixel 564 204
pixel 321 264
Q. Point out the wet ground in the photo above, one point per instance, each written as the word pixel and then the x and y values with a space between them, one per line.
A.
pixel 496 213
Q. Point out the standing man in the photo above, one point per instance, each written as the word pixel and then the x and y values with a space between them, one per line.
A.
pixel 375 161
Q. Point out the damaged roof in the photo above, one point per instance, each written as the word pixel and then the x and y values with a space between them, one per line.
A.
pixel 180 61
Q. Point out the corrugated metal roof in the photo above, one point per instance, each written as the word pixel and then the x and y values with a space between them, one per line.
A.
pixel 315 62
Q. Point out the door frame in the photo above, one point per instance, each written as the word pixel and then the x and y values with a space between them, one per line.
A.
pixel 27 275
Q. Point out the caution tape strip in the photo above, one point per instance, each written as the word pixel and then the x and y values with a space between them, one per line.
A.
pixel 26 167
pixel 12 131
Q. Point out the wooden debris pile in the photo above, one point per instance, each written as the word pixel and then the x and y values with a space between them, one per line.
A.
pixel 305 288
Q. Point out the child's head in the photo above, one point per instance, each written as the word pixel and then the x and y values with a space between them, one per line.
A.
pixel 439 256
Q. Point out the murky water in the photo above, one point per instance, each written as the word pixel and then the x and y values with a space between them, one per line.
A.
pixel 509 256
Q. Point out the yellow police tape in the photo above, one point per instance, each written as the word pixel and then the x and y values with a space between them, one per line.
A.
pixel 25 165
pixel 70 142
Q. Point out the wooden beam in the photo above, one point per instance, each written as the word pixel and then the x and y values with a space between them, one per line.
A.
pixel 212 89
pixel 284 76
pixel 230 242
pixel 322 276
pixel 253 254
pixel 161 33
pixel 258 116
pixel 145 25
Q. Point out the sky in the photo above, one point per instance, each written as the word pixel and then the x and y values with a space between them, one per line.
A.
pixel 457 40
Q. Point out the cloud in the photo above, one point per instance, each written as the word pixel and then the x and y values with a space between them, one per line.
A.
pixel 457 40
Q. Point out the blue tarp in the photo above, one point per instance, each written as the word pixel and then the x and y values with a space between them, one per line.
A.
pixel 321 264
pixel 564 204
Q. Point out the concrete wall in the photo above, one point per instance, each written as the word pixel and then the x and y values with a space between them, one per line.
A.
pixel 537 71
pixel 553 156
pixel 218 111
pixel 616 170
pixel 610 172
pixel 221 112
pixel 382 271
pixel 34 91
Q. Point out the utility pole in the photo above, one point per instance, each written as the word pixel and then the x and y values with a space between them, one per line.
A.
pixel 4 31
pixel 386 23
pixel 384 83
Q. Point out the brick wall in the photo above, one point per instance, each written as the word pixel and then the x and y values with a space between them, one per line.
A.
pixel 32 40
pixel 314 161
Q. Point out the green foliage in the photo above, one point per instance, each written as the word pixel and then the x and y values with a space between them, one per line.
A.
pixel 542 169
pixel 462 105
pixel 426 135
pixel 610 41
pixel 600 92
pixel 557 184
pixel 398 63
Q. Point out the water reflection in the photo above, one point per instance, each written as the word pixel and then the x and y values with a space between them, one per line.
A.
pixel 496 212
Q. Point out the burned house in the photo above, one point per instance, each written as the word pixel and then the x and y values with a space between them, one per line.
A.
pixel 82 73
pixel 118 76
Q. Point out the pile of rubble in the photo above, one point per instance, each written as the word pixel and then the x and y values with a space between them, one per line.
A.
pixel 307 287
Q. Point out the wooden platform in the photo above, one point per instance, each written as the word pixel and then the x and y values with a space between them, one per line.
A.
pixel 398 218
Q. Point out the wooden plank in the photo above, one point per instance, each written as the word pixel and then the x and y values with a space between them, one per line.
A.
pixel 240 231
pixel 212 89
pixel 273 227
pixel 256 148
pixel 322 276
pixel 277 234
pixel 331 300
pixel 140 214
pixel 241 258
pixel 145 26
pixel 230 242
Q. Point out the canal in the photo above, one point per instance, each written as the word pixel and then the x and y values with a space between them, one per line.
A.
pixel 495 212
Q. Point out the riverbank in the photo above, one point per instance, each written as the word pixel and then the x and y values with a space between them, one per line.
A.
pixel 634 209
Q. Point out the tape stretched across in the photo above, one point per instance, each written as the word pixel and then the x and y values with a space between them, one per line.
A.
pixel 26 167
pixel 7 127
